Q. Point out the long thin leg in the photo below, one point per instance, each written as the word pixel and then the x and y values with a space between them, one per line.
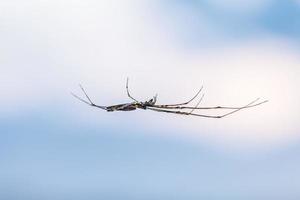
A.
pixel 197 104
pixel 86 94
pixel 128 94
pixel 205 108
pixel 200 115
pixel 179 104
pixel 90 101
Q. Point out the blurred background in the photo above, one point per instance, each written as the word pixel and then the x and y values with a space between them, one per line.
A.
pixel 55 147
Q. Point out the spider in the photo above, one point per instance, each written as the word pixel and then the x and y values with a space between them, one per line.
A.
pixel 179 108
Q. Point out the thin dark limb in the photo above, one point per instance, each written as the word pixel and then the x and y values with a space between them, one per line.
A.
pixel 200 115
pixel 206 108
pixel 197 104
pixel 128 94
pixel 179 104
pixel 84 101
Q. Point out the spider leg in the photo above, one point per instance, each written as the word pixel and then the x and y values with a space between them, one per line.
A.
pixel 179 104
pixel 89 102
pixel 208 108
pixel 181 113
pixel 200 115
pixel 128 94
pixel 246 106
pixel 80 99
pixel 197 104
pixel 85 94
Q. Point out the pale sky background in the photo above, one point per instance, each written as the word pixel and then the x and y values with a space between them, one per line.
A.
pixel 54 147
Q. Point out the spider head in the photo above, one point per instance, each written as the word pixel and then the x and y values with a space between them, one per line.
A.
pixel 152 101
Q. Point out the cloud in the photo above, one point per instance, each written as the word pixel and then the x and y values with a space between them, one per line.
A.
pixel 48 48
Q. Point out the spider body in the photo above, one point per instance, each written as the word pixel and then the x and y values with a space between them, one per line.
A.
pixel 179 108
pixel 131 106
pixel 122 107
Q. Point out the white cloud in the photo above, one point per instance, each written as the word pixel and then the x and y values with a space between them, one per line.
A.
pixel 48 47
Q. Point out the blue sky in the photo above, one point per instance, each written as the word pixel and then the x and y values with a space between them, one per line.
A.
pixel 55 160
pixel 232 21
pixel 54 147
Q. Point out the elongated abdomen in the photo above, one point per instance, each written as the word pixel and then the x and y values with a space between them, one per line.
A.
pixel 121 107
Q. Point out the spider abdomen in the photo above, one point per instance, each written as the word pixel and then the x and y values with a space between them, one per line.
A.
pixel 121 107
